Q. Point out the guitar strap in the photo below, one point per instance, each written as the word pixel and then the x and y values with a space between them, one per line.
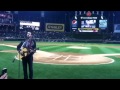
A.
pixel 30 43
pixel 23 45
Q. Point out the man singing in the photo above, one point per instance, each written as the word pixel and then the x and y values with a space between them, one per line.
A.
pixel 30 45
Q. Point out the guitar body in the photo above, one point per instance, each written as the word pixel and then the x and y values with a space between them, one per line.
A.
pixel 25 52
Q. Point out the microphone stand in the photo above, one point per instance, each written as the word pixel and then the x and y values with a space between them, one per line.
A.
pixel 19 66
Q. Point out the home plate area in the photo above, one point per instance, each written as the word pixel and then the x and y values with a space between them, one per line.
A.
pixel 70 59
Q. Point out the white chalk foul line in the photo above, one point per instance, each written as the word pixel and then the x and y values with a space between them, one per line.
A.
pixel 9 45
pixel 67 57
pixel 57 57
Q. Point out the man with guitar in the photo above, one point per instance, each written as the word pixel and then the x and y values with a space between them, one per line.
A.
pixel 27 57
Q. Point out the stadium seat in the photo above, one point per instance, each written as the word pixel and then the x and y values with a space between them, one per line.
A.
pixel 4 74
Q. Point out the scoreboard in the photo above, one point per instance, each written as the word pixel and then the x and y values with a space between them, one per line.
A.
pixel 89 22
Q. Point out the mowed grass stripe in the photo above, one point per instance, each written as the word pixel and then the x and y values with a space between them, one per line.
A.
pixel 107 50
pixel 68 50
pixel 81 51
pixel 116 50
pixel 65 49
pixel 48 47
pixel 102 50
pixel 53 49
pixel 86 51
pixel 57 49
pixel 6 48
pixel 95 50
pixel 92 50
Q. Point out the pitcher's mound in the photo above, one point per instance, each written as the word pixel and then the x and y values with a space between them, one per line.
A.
pixel 78 47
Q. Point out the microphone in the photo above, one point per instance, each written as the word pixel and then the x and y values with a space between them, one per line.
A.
pixel 13 60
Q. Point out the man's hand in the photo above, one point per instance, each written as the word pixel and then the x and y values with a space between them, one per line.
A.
pixel 21 52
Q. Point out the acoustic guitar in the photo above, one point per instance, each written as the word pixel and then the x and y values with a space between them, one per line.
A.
pixel 25 52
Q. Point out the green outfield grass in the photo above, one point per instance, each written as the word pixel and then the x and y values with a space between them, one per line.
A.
pixel 48 71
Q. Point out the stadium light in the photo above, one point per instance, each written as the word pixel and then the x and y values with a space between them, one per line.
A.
pixel 101 17
pixel 75 17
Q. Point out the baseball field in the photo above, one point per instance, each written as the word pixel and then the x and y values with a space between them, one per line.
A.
pixel 65 60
